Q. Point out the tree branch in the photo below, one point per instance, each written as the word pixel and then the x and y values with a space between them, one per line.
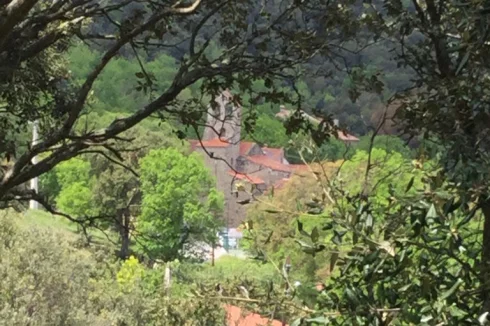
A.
pixel 12 15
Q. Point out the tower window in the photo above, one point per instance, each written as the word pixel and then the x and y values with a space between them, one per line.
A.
pixel 222 132
pixel 229 109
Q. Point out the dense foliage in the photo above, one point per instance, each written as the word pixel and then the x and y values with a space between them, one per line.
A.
pixel 179 203
pixel 48 280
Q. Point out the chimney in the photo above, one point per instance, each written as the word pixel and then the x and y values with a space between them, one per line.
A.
pixel 336 122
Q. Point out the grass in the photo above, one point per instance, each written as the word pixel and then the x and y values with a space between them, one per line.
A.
pixel 233 267
pixel 48 221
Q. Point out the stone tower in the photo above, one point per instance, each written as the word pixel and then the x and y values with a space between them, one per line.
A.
pixel 224 122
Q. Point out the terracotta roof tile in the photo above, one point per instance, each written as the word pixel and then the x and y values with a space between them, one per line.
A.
pixel 245 147
pixel 250 178
pixel 235 317
pixel 274 153
pixel 216 142
pixel 269 162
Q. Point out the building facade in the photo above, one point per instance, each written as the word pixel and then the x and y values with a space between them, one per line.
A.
pixel 233 161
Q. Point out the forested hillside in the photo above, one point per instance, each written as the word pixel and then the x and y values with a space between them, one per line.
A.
pixel 327 87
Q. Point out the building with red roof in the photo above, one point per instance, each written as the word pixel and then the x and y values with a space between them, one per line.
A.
pixel 235 316
pixel 232 160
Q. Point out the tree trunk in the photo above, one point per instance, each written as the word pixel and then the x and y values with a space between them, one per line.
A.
pixel 485 256
pixel 124 234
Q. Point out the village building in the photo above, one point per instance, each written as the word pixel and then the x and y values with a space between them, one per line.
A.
pixel 233 161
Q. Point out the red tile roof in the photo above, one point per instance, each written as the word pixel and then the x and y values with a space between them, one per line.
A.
pixel 216 142
pixel 274 153
pixel 235 317
pixel 269 162
pixel 245 147
pixel 272 157
pixel 250 178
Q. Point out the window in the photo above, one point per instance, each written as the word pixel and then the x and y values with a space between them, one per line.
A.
pixel 229 109
pixel 222 132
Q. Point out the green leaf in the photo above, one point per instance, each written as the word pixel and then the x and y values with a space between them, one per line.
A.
pixel 369 221
pixel 463 61
pixel 468 217
pixel 451 291
pixel 426 318
pixel 319 320
pixel 297 322
pixel 351 296
pixel 139 74
pixel 301 230
pixel 268 83
pixel 315 235
pixel 333 260
pixel 410 184
pixel 272 211
pixel 431 213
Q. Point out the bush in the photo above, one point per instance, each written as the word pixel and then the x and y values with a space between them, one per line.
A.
pixel 45 280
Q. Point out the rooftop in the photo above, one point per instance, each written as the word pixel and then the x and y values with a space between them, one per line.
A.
pixel 269 162
pixel 245 147
pixel 246 177
pixel 216 142
pixel 236 317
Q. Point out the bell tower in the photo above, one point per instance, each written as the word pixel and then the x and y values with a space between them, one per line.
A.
pixel 224 122
pixel 223 119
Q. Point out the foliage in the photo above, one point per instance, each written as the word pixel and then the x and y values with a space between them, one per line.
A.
pixel 179 204
pixel 58 284
pixel 131 271
pixel 273 230
pixel 387 143
pixel 409 267
pixel 269 131
pixel 117 194
pixel 75 195
pixel 387 173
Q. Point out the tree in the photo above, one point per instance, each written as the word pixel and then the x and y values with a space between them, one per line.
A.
pixel 269 131
pixel 116 192
pixel 37 85
pixel 180 204
pixel 274 222
pixel 412 257
pixel 75 195
pixel 447 45
pixel 386 142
